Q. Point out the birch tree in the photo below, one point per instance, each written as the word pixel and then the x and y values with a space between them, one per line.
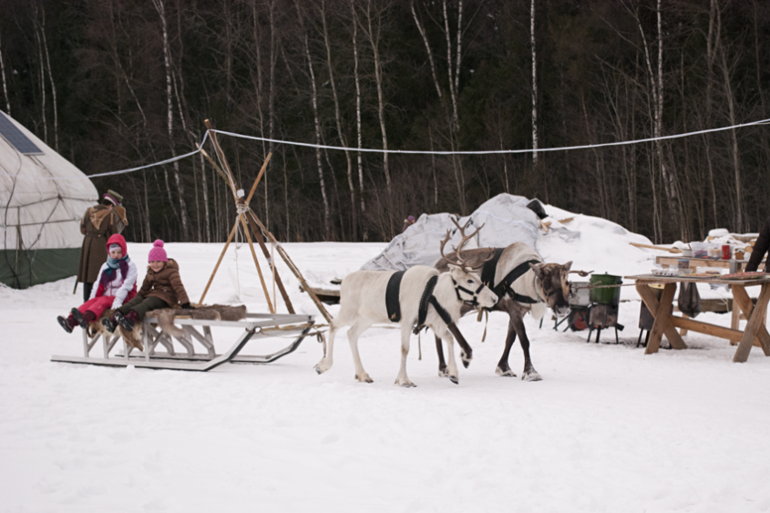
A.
pixel 358 106
pixel 534 82
pixel 5 81
pixel 160 6
pixel 338 119
pixel 316 120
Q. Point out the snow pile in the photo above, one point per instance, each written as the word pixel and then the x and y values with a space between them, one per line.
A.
pixel 506 219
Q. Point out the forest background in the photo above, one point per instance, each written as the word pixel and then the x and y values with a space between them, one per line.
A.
pixel 112 84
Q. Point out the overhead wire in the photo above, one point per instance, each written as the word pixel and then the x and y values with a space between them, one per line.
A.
pixel 411 152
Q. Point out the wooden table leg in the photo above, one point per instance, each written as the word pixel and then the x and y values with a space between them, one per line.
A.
pixel 755 326
pixel 735 322
pixel 661 312
pixel 744 303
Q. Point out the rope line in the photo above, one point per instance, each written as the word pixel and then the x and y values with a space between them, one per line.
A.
pixel 408 152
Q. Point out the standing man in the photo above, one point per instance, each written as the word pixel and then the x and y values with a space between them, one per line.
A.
pixel 760 248
pixel 99 223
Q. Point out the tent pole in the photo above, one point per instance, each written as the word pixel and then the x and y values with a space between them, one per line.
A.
pixel 216 267
pixel 256 262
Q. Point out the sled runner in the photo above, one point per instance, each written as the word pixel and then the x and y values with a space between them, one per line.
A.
pixel 194 333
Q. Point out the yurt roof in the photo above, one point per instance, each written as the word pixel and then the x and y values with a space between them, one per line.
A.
pixel 42 195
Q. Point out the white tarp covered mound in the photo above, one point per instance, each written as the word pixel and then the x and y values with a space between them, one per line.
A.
pixel 507 219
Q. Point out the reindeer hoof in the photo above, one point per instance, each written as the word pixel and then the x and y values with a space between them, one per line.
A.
pixel 442 373
pixel 364 379
pixel 506 373
pixel 406 384
pixel 531 376
pixel 466 359
pixel 454 379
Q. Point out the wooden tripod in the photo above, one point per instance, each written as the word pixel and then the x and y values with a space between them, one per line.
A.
pixel 252 225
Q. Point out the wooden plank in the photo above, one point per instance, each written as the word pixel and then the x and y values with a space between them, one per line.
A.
pixel 706 328
pixel 756 321
pixel 648 246
pixel 651 278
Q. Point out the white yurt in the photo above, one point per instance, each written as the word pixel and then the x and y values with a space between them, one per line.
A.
pixel 42 199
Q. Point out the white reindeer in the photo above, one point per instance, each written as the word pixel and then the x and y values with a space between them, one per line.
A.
pixel 362 304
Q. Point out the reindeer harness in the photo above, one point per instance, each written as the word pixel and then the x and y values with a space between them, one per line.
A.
pixel 504 287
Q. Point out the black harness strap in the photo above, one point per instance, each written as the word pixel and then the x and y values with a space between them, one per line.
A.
pixel 504 286
pixel 391 296
pixel 429 299
pixel 427 294
pixel 490 268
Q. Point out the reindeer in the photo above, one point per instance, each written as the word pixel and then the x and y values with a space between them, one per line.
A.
pixel 522 283
pixel 364 301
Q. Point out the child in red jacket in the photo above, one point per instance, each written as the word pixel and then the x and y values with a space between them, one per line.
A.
pixel 116 284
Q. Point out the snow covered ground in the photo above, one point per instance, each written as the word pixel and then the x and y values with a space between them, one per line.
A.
pixel 608 429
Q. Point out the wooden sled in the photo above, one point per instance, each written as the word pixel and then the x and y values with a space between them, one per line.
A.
pixel 256 325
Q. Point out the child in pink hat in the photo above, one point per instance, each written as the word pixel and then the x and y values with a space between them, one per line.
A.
pixel 162 288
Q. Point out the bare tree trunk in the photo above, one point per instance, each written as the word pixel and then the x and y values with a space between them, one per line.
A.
pixel 205 187
pixel 374 41
pixel 314 99
pixel 160 6
pixel 258 92
pixel 433 168
pixel 42 76
pixel 5 82
pixel 736 163
pixel 712 43
pixel 656 85
pixel 454 84
pixel 338 118
pixel 534 82
pixel 50 78
pixel 359 161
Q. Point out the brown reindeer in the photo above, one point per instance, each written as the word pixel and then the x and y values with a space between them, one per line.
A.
pixel 523 283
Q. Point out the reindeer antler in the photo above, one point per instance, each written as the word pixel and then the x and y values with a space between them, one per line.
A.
pixel 456 258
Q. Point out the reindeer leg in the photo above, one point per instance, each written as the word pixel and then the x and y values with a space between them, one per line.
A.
pixel 441 363
pixel 402 379
pixel 503 369
pixel 353 333
pixel 466 353
pixel 452 373
pixel 328 360
pixel 529 374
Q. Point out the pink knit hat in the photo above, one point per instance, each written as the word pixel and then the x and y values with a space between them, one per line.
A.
pixel 157 253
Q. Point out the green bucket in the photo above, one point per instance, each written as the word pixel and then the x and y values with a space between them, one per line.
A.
pixel 608 295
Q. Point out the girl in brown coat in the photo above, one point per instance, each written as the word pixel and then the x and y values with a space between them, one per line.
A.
pixel 162 288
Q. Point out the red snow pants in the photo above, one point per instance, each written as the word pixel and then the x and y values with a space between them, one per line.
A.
pixel 97 305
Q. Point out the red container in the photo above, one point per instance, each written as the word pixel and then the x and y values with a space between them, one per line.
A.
pixel 725 252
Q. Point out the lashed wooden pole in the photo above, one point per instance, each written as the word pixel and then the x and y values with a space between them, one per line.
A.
pixel 293 268
pixel 256 262
pixel 216 267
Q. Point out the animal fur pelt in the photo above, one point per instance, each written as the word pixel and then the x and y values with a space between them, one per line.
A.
pixel 166 317
pixel 210 313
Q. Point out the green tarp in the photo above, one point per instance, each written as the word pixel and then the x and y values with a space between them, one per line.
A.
pixel 22 269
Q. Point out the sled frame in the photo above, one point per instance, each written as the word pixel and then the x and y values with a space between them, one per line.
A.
pixel 197 332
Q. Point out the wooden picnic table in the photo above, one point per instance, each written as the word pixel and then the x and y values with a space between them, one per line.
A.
pixel 672 261
pixel 665 322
